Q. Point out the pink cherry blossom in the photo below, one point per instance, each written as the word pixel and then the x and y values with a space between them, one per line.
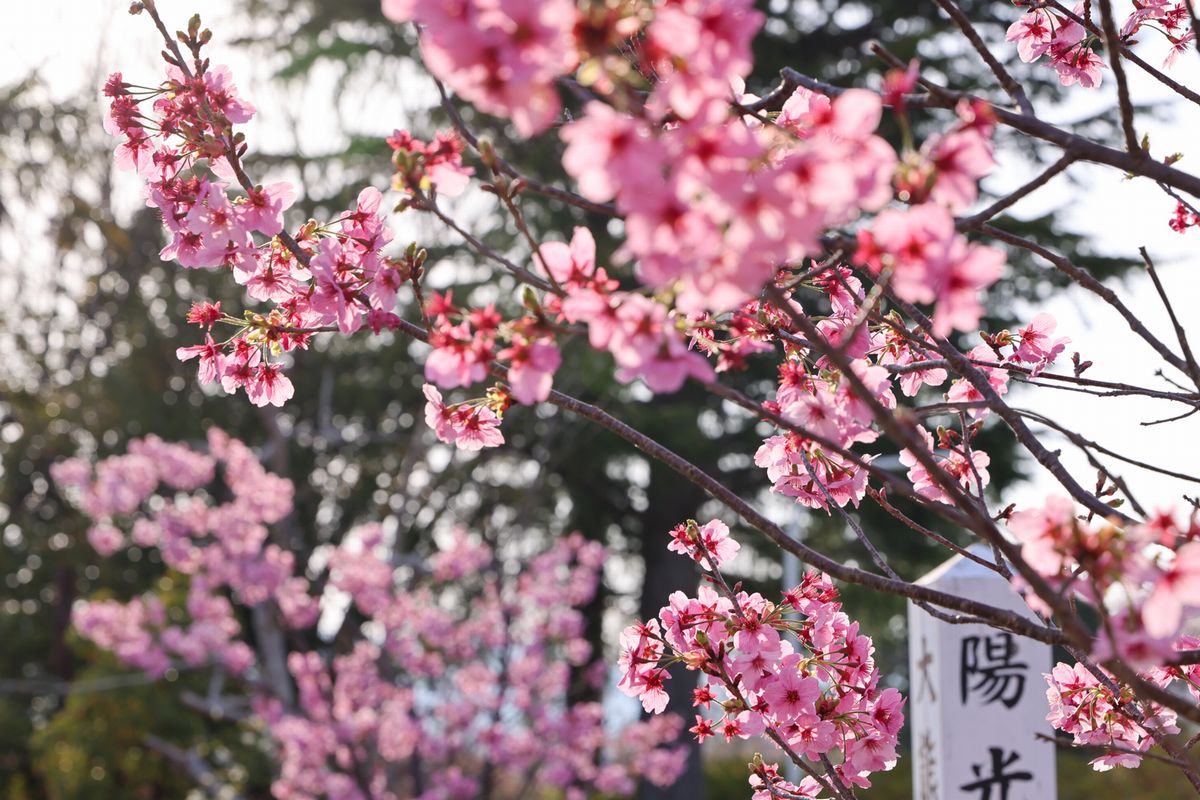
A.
pixel 710 541
pixel 269 386
pixel 531 370
pixel 212 359
pixel 469 427
pixel 1033 33
pixel 1176 587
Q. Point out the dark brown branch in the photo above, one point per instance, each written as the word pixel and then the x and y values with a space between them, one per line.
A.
pixel 1084 448
pixel 1049 380
pixel 1082 148
pixel 876 556
pixel 904 436
pixel 1067 745
pixel 894 482
pixel 994 616
pixel 525 276
pixel 933 536
pixel 1083 441
pixel 1113 44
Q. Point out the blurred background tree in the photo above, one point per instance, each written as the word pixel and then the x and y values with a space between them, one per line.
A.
pixel 90 341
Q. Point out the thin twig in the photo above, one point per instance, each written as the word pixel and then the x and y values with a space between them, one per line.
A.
pixel 1015 196
pixel 1020 430
pixel 534 185
pixel 873 551
pixel 1193 367
pixel 1083 441
pixel 1010 85
pixel 1087 281
pixel 1109 749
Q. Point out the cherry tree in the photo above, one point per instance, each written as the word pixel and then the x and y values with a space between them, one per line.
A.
pixel 783 228
pixel 456 680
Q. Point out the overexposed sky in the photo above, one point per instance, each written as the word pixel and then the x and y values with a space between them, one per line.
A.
pixel 76 43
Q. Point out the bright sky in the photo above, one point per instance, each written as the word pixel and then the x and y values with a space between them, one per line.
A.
pixel 77 43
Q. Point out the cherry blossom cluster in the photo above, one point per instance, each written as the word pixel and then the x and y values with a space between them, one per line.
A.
pixel 929 262
pixel 422 167
pixel 688 50
pixel 1144 578
pixel 645 337
pixel 714 199
pixel 1099 712
pixel 1068 39
pixel 798 673
pixel 179 137
pixel 948 167
pixel 458 666
pixel 811 393
pixel 716 196
pixel 465 342
pixel 817 467
pixel 713 205
pixel 801 467
pixel 967 465
pixel 1044 31
pixel 153 498
pixel 647 342
pixel 471 44
pixel 470 425
pixel 1183 218
pixel 824 403
pixel 467 666
pixel 1033 348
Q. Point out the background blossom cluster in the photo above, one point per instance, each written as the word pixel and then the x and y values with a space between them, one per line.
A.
pixel 459 665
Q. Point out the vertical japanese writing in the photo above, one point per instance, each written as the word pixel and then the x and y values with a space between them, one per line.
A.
pixel 927 758
pixel 925 681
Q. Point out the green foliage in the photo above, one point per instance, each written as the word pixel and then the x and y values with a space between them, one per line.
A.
pixel 107 740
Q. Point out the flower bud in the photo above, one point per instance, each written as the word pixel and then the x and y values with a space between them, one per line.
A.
pixel 487 153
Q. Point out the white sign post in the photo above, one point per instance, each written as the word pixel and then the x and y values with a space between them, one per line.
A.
pixel 977 699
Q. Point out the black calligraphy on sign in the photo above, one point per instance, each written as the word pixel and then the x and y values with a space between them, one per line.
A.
pixel 997 779
pixel 987 668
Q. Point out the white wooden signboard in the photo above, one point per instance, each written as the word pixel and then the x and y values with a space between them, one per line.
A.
pixel 977 699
